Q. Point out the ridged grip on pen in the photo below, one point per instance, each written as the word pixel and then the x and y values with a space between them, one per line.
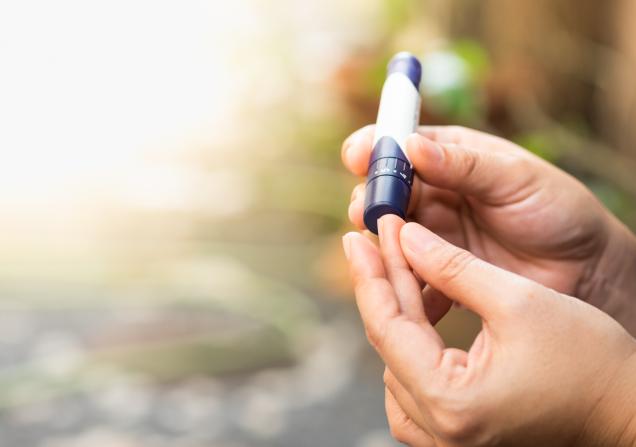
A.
pixel 395 167
pixel 389 181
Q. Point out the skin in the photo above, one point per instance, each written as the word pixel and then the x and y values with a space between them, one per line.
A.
pixel 514 210
pixel 546 368
pixel 511 238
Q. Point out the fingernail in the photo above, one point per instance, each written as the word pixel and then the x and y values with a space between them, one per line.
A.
pixel 381 225
pixel 345 147
pixel 354 194
pixel 348 155
pixel 437 152
pixel 432 149
pixel 349 142
pixel 346 244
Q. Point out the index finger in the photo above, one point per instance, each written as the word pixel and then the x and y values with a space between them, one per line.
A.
pixel 397 339
pixel 407 289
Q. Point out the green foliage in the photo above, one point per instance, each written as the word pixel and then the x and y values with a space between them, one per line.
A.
pixel 453 85
pixel 617 201
pixel 540 144
pixel 395 13
pixel 475 56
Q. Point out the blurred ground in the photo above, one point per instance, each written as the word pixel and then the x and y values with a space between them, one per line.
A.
pixel 71 390
pixel 301 404
pixel 171 270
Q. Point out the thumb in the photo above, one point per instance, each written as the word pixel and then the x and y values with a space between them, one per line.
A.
pixel 482 287
pixel 493 176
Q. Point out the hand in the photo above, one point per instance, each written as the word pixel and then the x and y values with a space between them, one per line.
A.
pixel 546 369
pixel 514 210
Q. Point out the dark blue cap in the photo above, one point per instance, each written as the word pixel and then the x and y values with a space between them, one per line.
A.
pixel 407 64
pixel 385 195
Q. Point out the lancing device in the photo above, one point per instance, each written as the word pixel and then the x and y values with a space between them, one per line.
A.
pixel 390 174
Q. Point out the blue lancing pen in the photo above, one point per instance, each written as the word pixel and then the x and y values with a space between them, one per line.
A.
pixel 390 174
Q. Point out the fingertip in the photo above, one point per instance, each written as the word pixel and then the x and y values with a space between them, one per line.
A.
pixel 356 150
pixel 357 157
pixel 392 219
pixel 349 244
pixel 356 212
pixel 357 242
pixel 388 222
pixel 356 134
pixel 346 244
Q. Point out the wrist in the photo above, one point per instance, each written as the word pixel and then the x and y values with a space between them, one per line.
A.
pixel 610 281
pixel 613 419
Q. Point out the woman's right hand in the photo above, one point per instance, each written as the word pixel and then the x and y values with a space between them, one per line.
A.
pixel 512 209
pixel 546 369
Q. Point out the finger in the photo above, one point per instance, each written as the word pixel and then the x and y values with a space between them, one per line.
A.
pixel 468 137
pixel 404 399
pixel 436 304
pixel 397 339
pixel 446 134
pixel 483 288
pixel 355 211
pixel 406 286
pixel 356 207
pixel 403 429
pixel 356 150
pixel 494 177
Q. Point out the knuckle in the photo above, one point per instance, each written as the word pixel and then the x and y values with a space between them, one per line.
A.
pixel 516 305
pixel 364 286
pixel 520 165
pixel 374 331
pixel 470 163
pixel 455 264
pixel 399 427
pixel 375 338
pixel 513 309
pixel 379 335
pixel 455 425
pixel 520 162
pixel 432 394
pixel 386 378
pixel 357 190
pixel 457 131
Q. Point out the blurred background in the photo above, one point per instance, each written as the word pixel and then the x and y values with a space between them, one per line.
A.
pixel 172 198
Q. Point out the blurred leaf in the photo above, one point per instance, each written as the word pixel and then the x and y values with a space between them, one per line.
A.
pixel 395 13
pixel 616 200
pixel 475 56
pixel 539 144
pixel 451 83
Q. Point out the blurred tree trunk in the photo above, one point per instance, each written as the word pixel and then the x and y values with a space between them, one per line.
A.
pixel 576 58
pixel 619 101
